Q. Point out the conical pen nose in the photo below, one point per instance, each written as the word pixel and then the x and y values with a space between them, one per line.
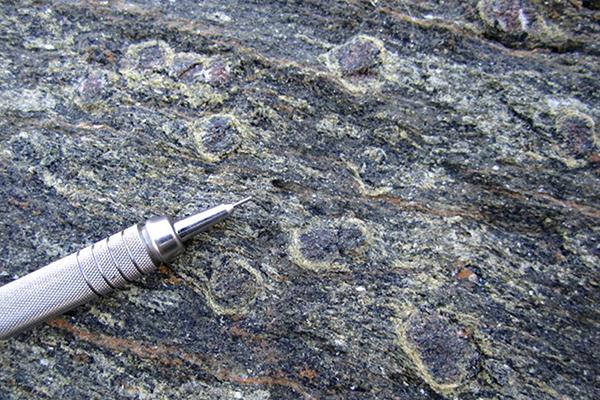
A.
pixel 243 201
pixel 194 224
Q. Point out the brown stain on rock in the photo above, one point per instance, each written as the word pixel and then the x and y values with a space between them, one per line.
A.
pixel 174 356
pixel 308 373
pixel 466 274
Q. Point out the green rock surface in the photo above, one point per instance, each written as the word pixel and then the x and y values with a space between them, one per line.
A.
pixel 426 184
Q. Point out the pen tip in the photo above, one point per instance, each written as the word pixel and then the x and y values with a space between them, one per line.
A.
pixel 239 203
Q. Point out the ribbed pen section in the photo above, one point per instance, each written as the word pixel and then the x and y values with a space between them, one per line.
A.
pixel 73 280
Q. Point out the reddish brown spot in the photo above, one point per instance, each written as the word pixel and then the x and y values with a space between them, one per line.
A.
pixel 559 257
pixel 308 373
pixel 169 275
pixel 464 333
pixel 465 274
pixel 82 358
pixel 110 56
pixel 237 331
pixel 18 203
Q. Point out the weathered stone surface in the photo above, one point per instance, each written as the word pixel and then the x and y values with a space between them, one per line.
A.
pixel 427 189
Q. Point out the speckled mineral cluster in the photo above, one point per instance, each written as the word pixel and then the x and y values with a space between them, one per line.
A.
pixel 426 182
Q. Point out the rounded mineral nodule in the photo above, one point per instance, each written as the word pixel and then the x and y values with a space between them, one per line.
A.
pixel 217 136
pixel 443 353
pixel 358 56
pixel 576 134
pixel 93 87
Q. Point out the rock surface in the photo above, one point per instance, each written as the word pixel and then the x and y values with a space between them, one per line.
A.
pixel 426 176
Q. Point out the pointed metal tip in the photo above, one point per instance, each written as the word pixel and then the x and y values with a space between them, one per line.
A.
pixel 239 203
pixel 189 226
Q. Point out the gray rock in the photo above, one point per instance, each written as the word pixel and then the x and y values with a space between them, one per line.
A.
pixel 426 182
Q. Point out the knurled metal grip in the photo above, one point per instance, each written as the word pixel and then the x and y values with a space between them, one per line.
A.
pixel 99 269
pixel 74 280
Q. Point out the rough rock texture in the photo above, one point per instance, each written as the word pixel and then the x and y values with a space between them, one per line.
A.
pixel 427 184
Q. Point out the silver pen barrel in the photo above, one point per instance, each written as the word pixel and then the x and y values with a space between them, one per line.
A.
pixel 99 269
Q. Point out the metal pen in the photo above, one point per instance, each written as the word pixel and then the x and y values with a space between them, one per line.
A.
pixel 97 270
